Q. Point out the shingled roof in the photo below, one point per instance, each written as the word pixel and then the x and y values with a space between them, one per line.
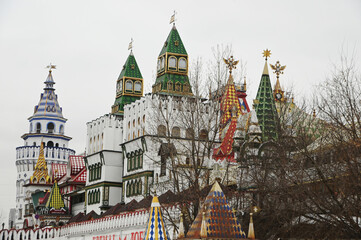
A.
pixel 216 219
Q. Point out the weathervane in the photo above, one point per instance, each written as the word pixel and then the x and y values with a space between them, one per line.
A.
pixel 266 53
pixel 51 66
pixel 278 68
pixel 231 63
pixel 130 46
pixel 172 18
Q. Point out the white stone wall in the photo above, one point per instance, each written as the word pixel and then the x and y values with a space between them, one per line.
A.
pixel 104 133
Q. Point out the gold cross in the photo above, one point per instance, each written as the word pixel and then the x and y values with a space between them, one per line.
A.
pixel 266 53
pixel 231 63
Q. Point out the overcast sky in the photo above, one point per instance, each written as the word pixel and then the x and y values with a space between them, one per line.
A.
pixel 88 42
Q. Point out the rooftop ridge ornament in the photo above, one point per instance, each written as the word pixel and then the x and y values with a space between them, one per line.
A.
pixel 130 46
pixel 51 66
pixel 231 63
pixel 266 53
pixel 172 18
pixel 278 69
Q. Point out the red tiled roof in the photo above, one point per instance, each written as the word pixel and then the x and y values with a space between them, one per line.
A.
pixel 58 170
pixel 76 164
pixel 81 177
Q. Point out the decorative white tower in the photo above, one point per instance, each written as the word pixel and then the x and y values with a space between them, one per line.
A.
pixel 47 124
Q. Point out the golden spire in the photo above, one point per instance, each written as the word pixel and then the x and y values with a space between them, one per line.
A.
pixel 251 234
pixel 231 63
pixel 203 233
pixel 40 174
pixel 181 227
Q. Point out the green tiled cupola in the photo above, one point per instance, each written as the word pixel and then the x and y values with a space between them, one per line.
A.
pixel 172 67
pixel 265 107
pixel 129 86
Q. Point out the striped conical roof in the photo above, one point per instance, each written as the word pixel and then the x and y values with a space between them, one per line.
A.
pixel 216 219
pixel 40 174
pixel 48 105
pixel 55 200
pixel 156 229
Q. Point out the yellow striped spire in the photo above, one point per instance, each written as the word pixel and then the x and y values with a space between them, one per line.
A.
pixel 55 200
pixel 40 174
pixel 156 229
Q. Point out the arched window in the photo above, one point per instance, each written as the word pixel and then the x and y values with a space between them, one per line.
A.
pixel 50 127
pixel 38 127
pixel 129 86
pixel 170 85
pixel 56 144
pixel 50 144
pixel 119 86
pixel 172 62
pixel 158 65
pixel 203 134
pixel 182 64
pixel 144 118
pixel 61 129
pixel 162 63
pixel 189 133
pixel 138 87
pixel 175 132
pixel 140 187
pixel 162 131
pixel 178 87
pixel 128 189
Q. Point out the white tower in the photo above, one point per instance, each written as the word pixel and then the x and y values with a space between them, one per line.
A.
pixel 47 124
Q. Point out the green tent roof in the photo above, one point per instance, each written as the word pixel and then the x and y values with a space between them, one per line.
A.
pixel 173 44
pixel 266 108
pixel 130 68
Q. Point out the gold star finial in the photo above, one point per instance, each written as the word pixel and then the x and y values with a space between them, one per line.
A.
pixel 51 66
pixel 266 53
pixel 278 68
pixel 231 63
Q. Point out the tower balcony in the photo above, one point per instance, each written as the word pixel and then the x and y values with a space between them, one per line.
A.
pixel 50 153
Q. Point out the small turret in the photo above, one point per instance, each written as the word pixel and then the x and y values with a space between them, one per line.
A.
pixel 129 87
pixel 172 67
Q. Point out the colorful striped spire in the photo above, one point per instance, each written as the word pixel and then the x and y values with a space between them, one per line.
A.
pixel 40 174
pixel 55 200
pixel 216 219
pixel 156 229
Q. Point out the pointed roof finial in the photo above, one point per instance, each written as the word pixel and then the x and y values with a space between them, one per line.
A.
pixel 278 69
pixel 51 66
pixel 266 53
pixel 251 234
pixel 181 227
pixel 231 63
pixel 173 19
pixel 130 46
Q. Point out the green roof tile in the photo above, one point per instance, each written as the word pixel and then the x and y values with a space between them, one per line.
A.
pixel 266 108
pixel 130 68
pixel 173 44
